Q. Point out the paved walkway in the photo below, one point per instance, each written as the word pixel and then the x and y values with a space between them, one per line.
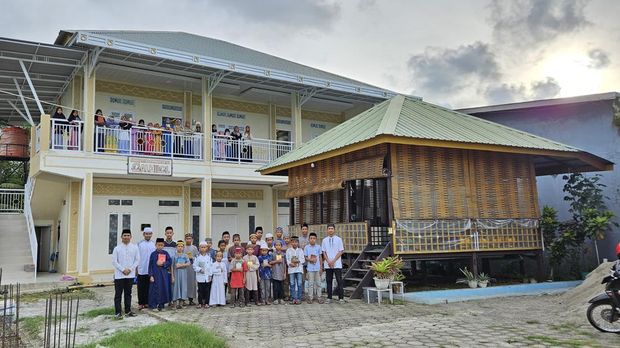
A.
pixel 516 322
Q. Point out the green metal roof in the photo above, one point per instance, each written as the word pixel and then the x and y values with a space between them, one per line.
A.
pixel 409 117
pixel 205 46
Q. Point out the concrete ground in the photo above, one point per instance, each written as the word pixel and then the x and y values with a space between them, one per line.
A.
pixel 533 321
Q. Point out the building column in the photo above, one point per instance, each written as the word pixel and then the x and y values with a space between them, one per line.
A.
pixel 206 118
pixel 296 119
pixel 88 105
pixel 187 210
pixel 274 208
pixel 86 201
pixel 272 122
pixel 205 209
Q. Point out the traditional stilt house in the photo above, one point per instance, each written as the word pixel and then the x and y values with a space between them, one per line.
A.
pixel 411 178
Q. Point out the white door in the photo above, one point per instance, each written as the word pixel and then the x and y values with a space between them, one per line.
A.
pixel 283 221
pixel 169 219
pixel 224 222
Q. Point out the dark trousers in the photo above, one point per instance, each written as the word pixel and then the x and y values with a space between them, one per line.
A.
pixel 144 281
pixel 204 292
pixel 278 291
pixel 329 278
pixel 122 287
pixel 237 296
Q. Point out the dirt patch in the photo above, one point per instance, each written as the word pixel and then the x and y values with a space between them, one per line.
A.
pixel 576 299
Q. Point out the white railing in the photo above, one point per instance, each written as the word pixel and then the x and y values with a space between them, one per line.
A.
pixel 66 136
pixel 28 190
pixel 142 141
pixel 225 149
pixel 11 200
pixel 37 138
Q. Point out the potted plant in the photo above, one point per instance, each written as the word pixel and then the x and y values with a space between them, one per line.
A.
pixel 385 270
pixel 483 280
pixel 470 278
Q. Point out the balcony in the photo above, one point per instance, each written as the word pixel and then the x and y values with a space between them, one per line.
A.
pixel 152 142
pixel 257 151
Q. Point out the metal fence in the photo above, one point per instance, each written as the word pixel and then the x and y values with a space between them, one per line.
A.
pixel 225 149
pixel 11 200
pixel 142 141
pixel 66 136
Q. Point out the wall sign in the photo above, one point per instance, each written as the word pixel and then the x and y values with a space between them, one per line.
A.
pixel 231 114
pixel 123 101
pixel 149 166
pixel 171 107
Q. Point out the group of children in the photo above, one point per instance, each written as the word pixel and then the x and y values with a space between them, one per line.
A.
pixel 258 271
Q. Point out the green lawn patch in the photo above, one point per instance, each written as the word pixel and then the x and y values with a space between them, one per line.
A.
pixel 32 326
pixel 99 311
pixel 163 335
pixel 85 294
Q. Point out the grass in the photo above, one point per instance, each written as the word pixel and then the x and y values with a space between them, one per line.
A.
pixel 83 294
pixel 555 342
pixel 532 322
pixel 99 311
pixel 163 335
pixel 32 326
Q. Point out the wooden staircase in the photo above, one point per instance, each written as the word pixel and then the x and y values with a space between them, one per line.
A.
pixel 358 275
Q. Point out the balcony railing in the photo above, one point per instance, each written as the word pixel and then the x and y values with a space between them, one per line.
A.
pixel 142 141
pixel 11 200
pixel 66 136
pixel 225 149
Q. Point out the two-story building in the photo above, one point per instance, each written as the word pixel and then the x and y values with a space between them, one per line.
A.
pixel 149 158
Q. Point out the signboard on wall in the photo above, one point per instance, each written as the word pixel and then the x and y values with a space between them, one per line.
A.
pixel 149 166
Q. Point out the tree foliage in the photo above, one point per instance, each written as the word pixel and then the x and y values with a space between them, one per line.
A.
pixel 590 218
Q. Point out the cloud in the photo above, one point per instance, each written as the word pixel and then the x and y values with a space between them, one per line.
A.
pixel 545 89
pixel 598 59
pixel 311 14
pixel 525 23
pixel 447 70
pixel 503 93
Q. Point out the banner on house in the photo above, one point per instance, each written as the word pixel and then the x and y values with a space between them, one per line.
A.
pixel 149 166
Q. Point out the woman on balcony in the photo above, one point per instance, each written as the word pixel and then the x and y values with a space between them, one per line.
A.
pixel 137 138
pixel 149 139
pixel 247 145
pixel 157 133
pixel 99 131
pixel 124 134
pixel 178 132
pixel 227 144
pixel 197 140
pixel 76 127
pixel 188 140
pixel 166 140
pixel 59 123
pixel 236 143
pixel 215 143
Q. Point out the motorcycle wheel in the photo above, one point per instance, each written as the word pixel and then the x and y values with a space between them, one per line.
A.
pixel 599 315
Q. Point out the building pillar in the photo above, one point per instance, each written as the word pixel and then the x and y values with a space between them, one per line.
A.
pixel 88 105
pixel 187 107
pixel 296 119
pixel 206 119
pixel 85 224
pixel 272 122
pixel 205 209
pixel 187 210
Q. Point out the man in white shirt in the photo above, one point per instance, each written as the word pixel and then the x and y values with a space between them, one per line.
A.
pixel 333 249
pixel 125 259
pixel 145 248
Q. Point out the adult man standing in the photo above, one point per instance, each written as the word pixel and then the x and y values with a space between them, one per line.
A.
pixel 145 248
pixel 170 246
pixel 125 259
pixel 333 249
pixel 191 251
pixel 303 240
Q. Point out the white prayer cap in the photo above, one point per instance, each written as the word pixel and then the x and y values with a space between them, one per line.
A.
pixel 148 230
pixel 203 243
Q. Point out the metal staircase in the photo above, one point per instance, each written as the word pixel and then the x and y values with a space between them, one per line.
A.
pixel 358 275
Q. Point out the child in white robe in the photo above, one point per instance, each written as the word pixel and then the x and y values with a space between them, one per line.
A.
pixel 219 278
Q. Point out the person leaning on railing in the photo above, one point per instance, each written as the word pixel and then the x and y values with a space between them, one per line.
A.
pixel 247 145
pixel 124 134
pixel 59 122
pixel 99 131
pixel 74 132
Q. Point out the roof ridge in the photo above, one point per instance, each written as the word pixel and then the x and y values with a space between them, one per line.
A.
pixel 392 114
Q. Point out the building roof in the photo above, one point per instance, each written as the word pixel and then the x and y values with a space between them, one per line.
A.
pixel 542 103
pixel 216 54
pixel 406 118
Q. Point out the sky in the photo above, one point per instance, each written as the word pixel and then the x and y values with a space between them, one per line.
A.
pixel 450 52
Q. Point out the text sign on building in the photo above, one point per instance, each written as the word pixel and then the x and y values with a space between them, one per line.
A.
pixel 149 166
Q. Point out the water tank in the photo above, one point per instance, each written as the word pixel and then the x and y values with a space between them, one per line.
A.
pixel 14 143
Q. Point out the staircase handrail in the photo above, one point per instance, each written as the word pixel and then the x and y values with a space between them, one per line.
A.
pixel 28 191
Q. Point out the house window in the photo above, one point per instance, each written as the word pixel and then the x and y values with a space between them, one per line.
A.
pixel 218 205
pixel 112 232
pixel 195 204
pixel 251 205
pixel 114 202
pixel 127 202
pixel 283 204
pixel 252 223
pixel 196 228
pixel 232 205
pixel 168 203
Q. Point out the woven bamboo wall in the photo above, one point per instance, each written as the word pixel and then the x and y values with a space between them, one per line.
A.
pixel 329 174
pixel 441 183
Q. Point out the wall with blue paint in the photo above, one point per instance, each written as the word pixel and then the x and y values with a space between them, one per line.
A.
pixel 588 126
